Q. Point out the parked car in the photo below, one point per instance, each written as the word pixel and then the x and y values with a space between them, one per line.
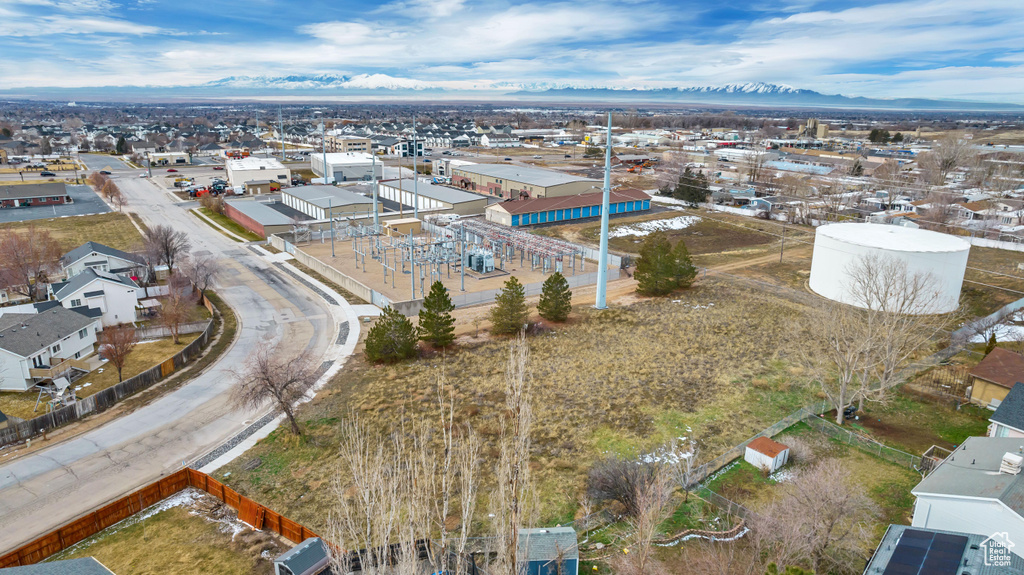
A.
pixel 218 167
pixel 568 156
pixel 47 174
pixel 143 175
pixel 105 172
pixel 170 170
pixel 508 159
pixel 537 157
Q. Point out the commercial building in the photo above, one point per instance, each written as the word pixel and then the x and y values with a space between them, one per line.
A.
pixel 345 144
pixel 252 168
pixel 169 158
pixel 432 197
pixel 323 202
pixel 29 195
pixel 258 217
pixel 346 166
pixel 515 182
pixel 499 140
pixel 547 210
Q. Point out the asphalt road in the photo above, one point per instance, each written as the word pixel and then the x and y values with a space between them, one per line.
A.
pixel 42 490
pixel 85 202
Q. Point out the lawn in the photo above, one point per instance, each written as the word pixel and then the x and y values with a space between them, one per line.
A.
pixel 143 357
pixel 978 297
pixel 187 533
pixel 912 424
pixel 231 225
pixel 111 229
pixel 623 380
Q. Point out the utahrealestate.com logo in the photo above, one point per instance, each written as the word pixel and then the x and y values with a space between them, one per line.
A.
pixel 997 550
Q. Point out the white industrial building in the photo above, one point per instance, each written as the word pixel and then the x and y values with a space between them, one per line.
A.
pixel 839 249
pixel 431 197
pixel 253 168
pixel 346 166
pixel 322 202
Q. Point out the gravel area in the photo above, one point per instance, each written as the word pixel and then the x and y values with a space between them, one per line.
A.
pixel 342 333
pixel 330 299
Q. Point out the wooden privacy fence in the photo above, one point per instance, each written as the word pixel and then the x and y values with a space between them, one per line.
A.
pixel 249 512
pixel 104 399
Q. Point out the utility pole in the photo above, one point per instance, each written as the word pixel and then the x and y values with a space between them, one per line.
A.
pixel 602 263
pixel 415 174
pixel 376 210
pixel 323 145
pixel 280 128
pixel 330 214
pixel 782 248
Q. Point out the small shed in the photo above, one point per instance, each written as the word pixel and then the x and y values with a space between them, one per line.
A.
pixel 766 453
pixel 542 550
pixel 404 226
pixel 307 558
pixel 257 187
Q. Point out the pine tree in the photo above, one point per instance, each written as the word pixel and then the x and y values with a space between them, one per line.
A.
pixel 509 313
pixel 991 343
pixel 392 338
pixel 661 268
pixel 555 298
pixel 437 326
pixel 122 146
pixel 682 266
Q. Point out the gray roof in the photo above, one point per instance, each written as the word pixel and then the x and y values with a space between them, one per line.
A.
pixel 26 191
pixel 310 553
pixel 317 195
pixel 525 174
pixel 90 247
pixel 260 212
pixel 972 470
pixel 971 561
pixel 544 544
pixel 40 329
pixel 1011 411
pixel 440 193
pixel 88 276
pixel 83 566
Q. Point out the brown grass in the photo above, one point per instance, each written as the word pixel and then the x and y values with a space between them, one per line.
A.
pixel 112 229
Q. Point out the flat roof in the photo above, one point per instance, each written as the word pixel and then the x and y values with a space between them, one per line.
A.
pixel 525 174
pixel 972 470
pixel 574 201
pixel 254 163
pixel 906 550
pixel 318 196
pixel 260 212
pixel 895 238
pixel 401 221
pixel 346 158
pixel 440 193
pixel 25 191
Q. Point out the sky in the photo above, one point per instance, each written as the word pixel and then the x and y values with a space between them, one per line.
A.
pixel 950 49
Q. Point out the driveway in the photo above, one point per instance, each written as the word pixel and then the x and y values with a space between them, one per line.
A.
pixel 45 489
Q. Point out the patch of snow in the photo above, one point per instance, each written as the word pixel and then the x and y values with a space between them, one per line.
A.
pixel 667 200
pixel 645 228
pixel 696 536
pixel 1003 333
pixel 783 475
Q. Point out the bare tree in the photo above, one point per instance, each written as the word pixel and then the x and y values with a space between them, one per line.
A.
pixel 27 260
pixel 940 213
pixel 845 345
pixel 685 468
pixel 820 519
pixel 947 154
pixel 269 376
pixel 166 243
pixel 116 344
pixel 201 270
pixel 176 308
pixel 653 503
pixel 754 165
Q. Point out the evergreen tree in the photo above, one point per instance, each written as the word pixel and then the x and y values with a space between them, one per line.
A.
pixel 690 187
pixel 555 298
pixel 991 343
pixel 509 313
pixel 660 268
pixel 122 146
pixel 897 138
pixel 392 338
pixel 437 326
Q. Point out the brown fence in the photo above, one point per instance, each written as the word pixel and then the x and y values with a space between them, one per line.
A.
pixel 104 399
pixel 249 512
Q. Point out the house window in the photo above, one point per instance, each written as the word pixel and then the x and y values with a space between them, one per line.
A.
pixel 55 349
pixel 1002 431
pixel 76 303
pixel 83 333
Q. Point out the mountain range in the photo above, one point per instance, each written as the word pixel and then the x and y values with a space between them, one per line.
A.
pixel 364 87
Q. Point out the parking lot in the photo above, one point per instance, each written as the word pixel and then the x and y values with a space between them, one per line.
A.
pixel 85 202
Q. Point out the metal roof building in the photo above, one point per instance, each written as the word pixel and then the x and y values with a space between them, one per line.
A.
pixel 432 197
pixel 542 548
pixel 257 217
pixel 322 202
pixel 567 208
pixel 517 181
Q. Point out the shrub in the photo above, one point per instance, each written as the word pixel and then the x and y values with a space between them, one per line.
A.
pixel 509 313
pixel 437 326
pixel 661 268
pixel 555 298
pixel 392 338
pixel 617 479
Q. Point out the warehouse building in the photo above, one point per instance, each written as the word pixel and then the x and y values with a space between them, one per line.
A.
pixel 516 182
pixel 28 195
pixel 258 217
pixel 432 197
pixel 323 202
pixel 547 210
pixel 252 168
pixel 346 166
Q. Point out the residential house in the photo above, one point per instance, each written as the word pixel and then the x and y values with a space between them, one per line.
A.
pixel 977 489
pixel 38 347
pixel 1008 420
pixel 994 376
pixel 906 550
pixel 111 297
pixel 96 256
pixel 499 140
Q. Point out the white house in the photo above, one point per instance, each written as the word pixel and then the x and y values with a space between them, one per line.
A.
pixel 975 490
pixel 96 256
pixel 111 297
pixel 499 140
pixel 35 347
pixel 1008 420
pixel 766 453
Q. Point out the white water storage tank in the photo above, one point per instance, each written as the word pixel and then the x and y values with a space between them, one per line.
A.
pixel 839 247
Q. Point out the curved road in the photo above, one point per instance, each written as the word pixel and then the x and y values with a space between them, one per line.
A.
pixel 43 490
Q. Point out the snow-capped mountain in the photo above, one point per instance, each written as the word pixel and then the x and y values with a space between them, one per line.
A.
pixel 321 82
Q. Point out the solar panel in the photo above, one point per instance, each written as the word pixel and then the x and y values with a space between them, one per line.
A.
pixel 922 552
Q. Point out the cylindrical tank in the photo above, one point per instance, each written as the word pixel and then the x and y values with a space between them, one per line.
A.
pixel 838 249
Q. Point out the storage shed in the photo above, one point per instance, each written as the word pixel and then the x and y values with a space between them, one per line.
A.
pixel 766 453
pixel 404 226
pixel 565 208
pixel 543 549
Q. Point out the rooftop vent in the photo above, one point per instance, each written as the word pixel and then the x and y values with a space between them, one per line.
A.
pixel 1011 464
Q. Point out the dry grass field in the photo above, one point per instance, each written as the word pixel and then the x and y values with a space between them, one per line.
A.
pixel 720 360
pixel 112 229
